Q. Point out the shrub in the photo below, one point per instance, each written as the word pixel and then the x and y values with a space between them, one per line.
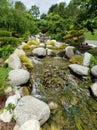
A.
pixel 76 59
pixel 76 36
pixel 26 61
pixel 5 51
pixel 3 78
pixel 27 48
pixel 5 33
pixel 33 42
pixel 93 51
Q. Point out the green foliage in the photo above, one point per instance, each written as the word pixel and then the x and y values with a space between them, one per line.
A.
pixel 27 48
pixel 5 51
pixel 5 33
pixel 77 59
pixel 33 42
pixel 20 6
pixel 3 78
pixel 93 61
pixel 93 51
pixel 76 36
pixel 34 11
pixel 89 36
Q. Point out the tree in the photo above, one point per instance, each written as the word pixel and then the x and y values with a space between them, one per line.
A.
pixel 53 9
pixel 20 6
pixel 34 11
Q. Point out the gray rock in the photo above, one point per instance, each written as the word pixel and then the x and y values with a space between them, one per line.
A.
pixel 94 89
pixel 69 51
pixel 87 58
pixel 29 108
pixel 18 77
pixel 94 71
pixel 6 116
pixel 14 62
pixel 39 51
pixel 19 52
pixel 30 125
pixel 78 69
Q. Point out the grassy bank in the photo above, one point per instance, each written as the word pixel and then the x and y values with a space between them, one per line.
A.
pixel 89 36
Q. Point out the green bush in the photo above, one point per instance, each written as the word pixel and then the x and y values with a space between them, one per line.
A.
pixel 5 51
pixel 5 33
pixel 10 40
pixel 93 51
pixel 3 78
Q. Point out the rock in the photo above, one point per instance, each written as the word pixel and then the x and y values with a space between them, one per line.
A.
pixel 86 59
pixel 78 69
pixel 50 52
pixel 16 127
pixel 94 71
pixel 18 77
pixel 69 51
pixel 6 116
pixel 30 125
pixel 14 62
pixel 94 89
pixel 19 52
pixel 39 51
pixel 53 105
pixel 12 100
pixel 29 108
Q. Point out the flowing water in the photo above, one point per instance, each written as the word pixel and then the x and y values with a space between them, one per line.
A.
pixel 53 82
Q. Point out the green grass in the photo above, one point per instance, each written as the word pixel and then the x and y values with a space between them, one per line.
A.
pixel 89 36
pixel 3 78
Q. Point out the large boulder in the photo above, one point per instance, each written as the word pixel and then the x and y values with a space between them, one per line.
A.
pixel 86 59
pixel 94 71
pixel 29 108
pixel 69 51
pixel 94 89
pixel 79 69
pixel 40 52
pixel 14 62
pixel 19 52
pixel 30 125
pixel 18 77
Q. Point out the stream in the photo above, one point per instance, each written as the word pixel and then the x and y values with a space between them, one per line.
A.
pixel 53 82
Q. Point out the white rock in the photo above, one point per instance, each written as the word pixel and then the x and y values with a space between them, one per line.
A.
pixel 18 77
pixel 6 116
pixel 29 108
pixel 94 71
pixel 39 51
pixel 78 69
pixel 16 127
pixel 94 89
pixel 12 100
pixel 69 51
pixel 19 52
pixel 87 58
pixel 14 62
pixel 30 125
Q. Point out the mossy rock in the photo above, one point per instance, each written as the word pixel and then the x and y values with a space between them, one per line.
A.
pixel 27 48
pixel 77 59
pixel 93 51
pixel 51 43
pixel 62 46
pixel 33 42
pixel 26 61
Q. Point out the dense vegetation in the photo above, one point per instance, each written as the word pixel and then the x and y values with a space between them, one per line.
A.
pixel 61 17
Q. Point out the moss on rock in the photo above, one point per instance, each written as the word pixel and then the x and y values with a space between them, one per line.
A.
pixel 26 61
pixel 78 59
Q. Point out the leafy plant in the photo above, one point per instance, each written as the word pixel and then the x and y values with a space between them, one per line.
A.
pixel 93 61
pixel 3 78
